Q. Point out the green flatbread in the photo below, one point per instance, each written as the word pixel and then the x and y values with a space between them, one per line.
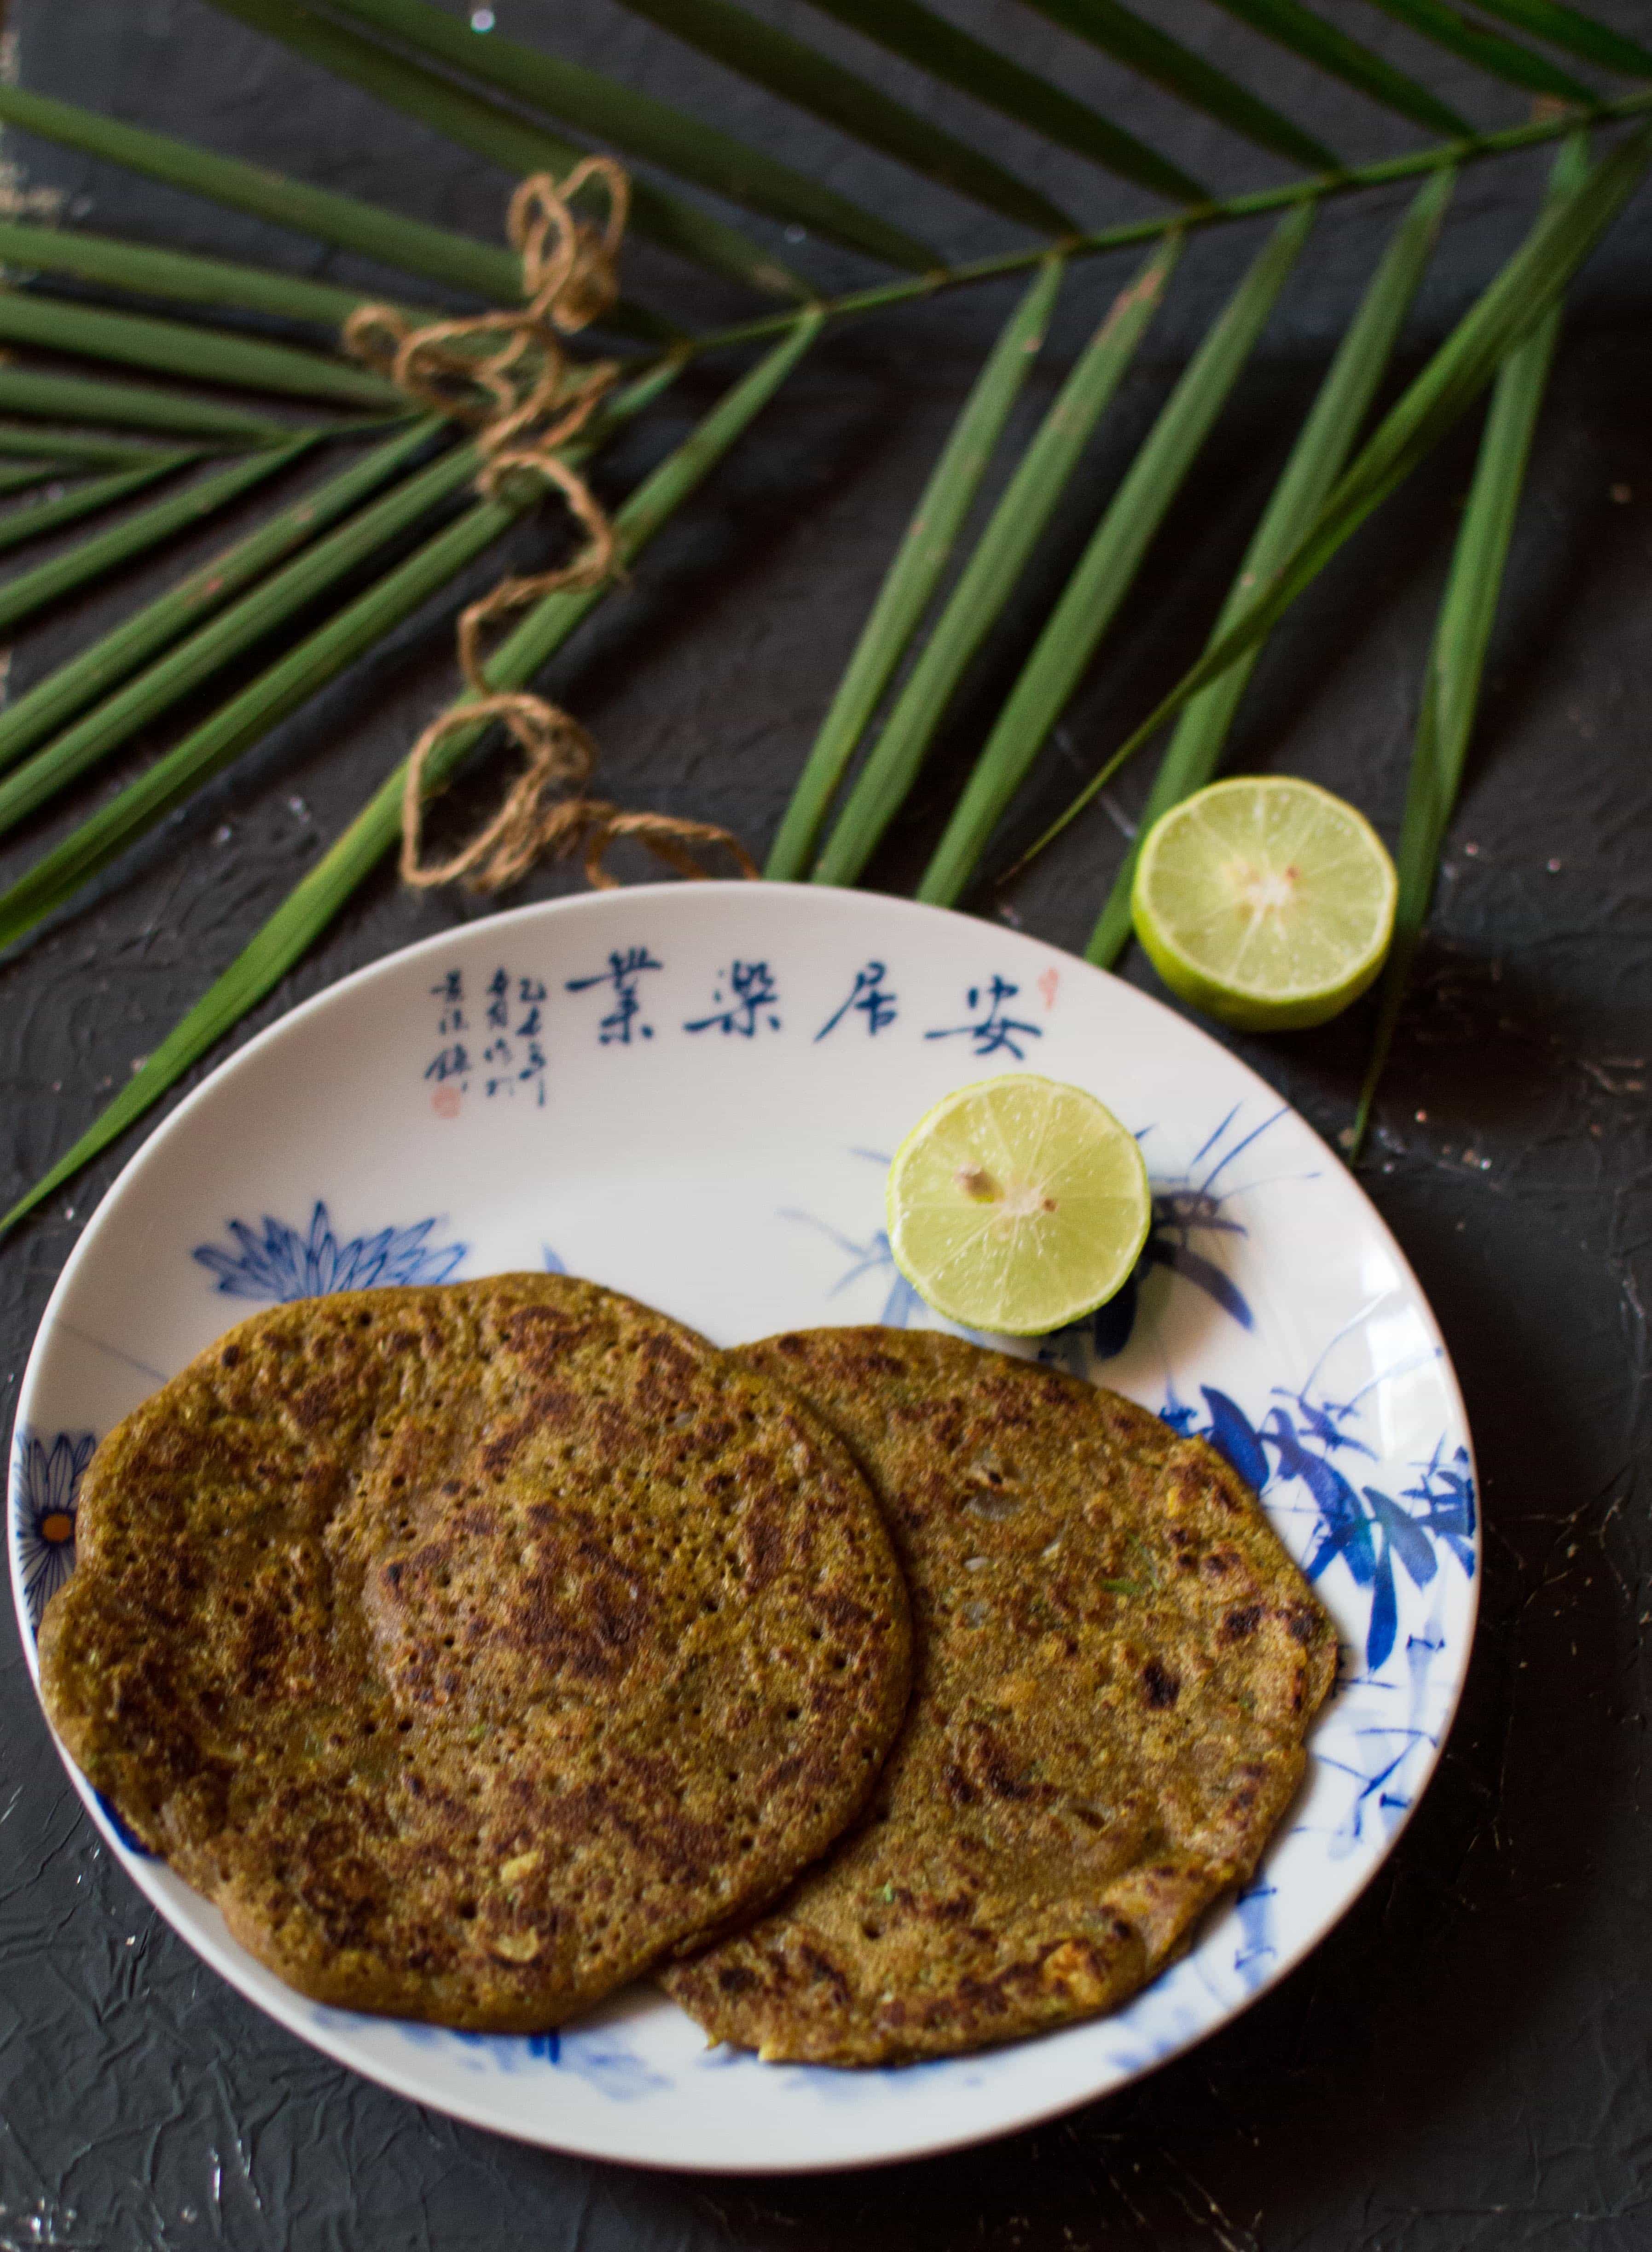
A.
pixel 1116 1663
pixel 473 1646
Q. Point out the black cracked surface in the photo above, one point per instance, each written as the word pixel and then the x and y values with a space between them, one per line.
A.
pixel 1462 2064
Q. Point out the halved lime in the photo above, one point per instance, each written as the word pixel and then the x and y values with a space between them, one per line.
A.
pixel 1265 901
pixel 1018 1204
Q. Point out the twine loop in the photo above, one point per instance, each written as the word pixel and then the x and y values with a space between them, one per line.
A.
pixel 526 397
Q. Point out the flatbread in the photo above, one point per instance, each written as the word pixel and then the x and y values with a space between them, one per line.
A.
pixel 1116 1663
pixel 473 1646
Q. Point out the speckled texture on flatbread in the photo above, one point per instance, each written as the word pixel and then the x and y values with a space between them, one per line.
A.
pixel 1115 1665
pixel 473 1646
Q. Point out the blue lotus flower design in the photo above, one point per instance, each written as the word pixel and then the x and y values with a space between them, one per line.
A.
pixel 281 1264
pixel 45 1496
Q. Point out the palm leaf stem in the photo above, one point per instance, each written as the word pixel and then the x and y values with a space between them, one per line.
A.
pixel 940 49
pixel 1391 170
pixel 99 672
pixel 33 522
pixel 133 407
pixel 622 118
pixel 319 896
pixel 186 349
pixel 1576 34
pixel 808 80
pixel 482 269
pixel 1106 570
pixel 1489 51
pixel 1141 47
pixel 1457 659
pixel 1291 25
pixel 1528 284
pixel 913 576
pixel 1314 463
pixel 990 576
pixel 31 591
pixel 181 275
pixel 502 137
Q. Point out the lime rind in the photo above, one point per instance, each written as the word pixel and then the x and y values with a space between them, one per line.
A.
pixel 1305 934
pixel 1057 1226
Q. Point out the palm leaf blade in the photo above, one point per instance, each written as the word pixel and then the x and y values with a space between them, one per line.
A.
pixel 785 66
pixel 19 477
pixel 31 591
pixel 502 137
pixel 238 725
pixel 912 575
pixel 1456 660
pixel 1142 47
pixel 20 524
pixel 919 36
pixel 990 575
pixel 1314 463
pixel 180 347
pixel 133 407
pixel 1576 34
pixel 319 896
pixel 179 274
pixel 1500 58
pixel 1109 564
pixel 478 269
pixel 90 448
pixel 238 626
pixel 624 119
pixel 1324 44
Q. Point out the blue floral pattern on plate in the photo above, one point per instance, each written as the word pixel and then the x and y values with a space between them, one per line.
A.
pixel 281 1264
pixel 45 1498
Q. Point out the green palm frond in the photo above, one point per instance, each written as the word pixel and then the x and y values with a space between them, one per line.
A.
pixel 246 379
pixel 634 125
pixel 1291 25
pixel 801 75
pixel 1315 462
pixel 506 139
pixel 919 36
pixel 1504 59
pixel 1129 39
pixel 1450 687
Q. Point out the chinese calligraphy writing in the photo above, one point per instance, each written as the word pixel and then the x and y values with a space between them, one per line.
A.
pixel 991 1028
pixel 621 974
pixel 868 996
pixel 755 995
pixel 514 1055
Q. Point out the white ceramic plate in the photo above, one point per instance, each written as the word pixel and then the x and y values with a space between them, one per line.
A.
pixel 690 1093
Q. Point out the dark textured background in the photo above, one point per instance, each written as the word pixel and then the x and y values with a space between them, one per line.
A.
pixel 1463 2063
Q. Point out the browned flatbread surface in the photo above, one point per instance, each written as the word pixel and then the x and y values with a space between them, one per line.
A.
pixel 473 1646
pixel 1115 1666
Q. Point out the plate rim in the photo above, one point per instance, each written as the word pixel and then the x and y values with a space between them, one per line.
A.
pixel 705 894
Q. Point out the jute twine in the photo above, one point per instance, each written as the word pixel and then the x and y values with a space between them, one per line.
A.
pixel 526 397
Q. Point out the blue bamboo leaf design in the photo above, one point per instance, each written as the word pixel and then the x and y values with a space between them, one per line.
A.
pixel 1346 1527
pixel 1205 1275
pixel 1385 1614
pixel 1230 1433
pixel 1405 1538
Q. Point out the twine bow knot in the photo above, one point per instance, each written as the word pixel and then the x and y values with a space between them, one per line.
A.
pixel 527 397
